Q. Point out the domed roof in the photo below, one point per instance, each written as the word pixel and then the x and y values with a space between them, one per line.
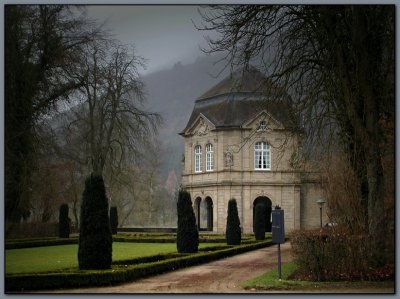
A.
pixel 248 80
pixel 240 96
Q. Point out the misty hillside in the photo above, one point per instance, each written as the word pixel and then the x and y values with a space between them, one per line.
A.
pixel 172 93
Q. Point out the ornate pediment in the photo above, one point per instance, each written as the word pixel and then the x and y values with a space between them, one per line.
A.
pixel 202 126
pixel 263 122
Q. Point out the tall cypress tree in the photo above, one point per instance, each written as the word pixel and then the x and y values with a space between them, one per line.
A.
pixel 233 232
pixel 114 220
pixel 95 239
pixel 187 237
pixel 63 222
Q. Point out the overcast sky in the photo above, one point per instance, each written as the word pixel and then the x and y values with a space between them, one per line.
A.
pixel 163 34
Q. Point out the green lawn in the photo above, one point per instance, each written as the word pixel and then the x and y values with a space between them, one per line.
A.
pixel 51 258
pixel 270 280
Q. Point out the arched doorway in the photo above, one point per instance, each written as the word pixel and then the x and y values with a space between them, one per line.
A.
pixel 209 209
pixel 203 210
pixel 197 202
pixel 266 202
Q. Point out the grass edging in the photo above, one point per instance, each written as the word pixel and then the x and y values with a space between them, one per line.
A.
pixel 270 281
pixel 119 273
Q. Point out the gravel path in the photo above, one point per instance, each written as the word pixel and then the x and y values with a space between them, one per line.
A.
pixel 222 276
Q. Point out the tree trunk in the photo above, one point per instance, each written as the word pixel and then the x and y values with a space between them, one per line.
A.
pixel 376 212
pixel 376 209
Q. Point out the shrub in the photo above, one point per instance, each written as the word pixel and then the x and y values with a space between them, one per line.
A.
pixel 63 222
pixel 187 236
pixel 331 254
pixel 233 232
pixel 95 239
pixel 259 222
pixel 114 220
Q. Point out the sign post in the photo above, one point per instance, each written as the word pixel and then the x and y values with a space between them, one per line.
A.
pixel 278 233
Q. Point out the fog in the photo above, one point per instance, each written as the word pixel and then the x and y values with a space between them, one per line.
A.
pixel 162 34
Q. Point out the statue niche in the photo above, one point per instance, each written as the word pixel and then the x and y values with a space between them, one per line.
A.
pixel 228 159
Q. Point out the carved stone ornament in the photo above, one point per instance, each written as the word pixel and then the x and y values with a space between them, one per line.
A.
pixel 263 126
pixel 228 159
pixel 203 128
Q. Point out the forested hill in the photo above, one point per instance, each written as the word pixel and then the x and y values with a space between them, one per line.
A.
pixel 172 93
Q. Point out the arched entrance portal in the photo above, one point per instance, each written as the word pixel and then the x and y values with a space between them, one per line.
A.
pixel 203 209
pixel 209 208
pixel 266 202
pixel 197 202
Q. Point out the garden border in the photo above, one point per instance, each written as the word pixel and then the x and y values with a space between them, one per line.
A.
pixel 25 282
pixel 30 243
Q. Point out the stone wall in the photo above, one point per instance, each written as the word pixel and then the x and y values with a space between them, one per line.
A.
pixel 288 197
pixel 310 212
pixel 282 184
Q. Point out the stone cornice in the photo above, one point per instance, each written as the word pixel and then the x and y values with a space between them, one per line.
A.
pixel 226 170
pixel 239 183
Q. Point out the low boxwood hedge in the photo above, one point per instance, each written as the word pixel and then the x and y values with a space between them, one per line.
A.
pixel 40 243
pixel 28 243
pixel 122 271
pixel 160 257
pixel 60 241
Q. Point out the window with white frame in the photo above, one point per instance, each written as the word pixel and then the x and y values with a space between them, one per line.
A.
pixel 209 157
pixel 262 156
pixel 197 158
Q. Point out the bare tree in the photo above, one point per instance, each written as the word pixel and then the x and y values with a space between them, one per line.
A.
pixel 43 43
pixel 112 118
pixel 108 130
pixel 338 64
pixel 136 189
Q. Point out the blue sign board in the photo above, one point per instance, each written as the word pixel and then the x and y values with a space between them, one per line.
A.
pixel 278 226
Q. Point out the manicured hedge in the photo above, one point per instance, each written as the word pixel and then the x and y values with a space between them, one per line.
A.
pixel 187 235
pixel 114 220
pixel 63 222
pixel 28 243
pixel 95 238
pixel 39 243
pixel 233 231
pixel 143 239
pixel 164 240
pixel 124 272
pixel 147 259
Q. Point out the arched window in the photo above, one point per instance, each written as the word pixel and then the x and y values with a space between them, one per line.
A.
pixel 209 157
pixel 262 156
pixel 197 158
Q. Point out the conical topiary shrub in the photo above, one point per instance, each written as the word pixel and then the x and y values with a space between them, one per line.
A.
pixel 187 237
pixel 259 222
pixel 114 220
pixel 63 222
pixel 233 232
pixel 95 239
